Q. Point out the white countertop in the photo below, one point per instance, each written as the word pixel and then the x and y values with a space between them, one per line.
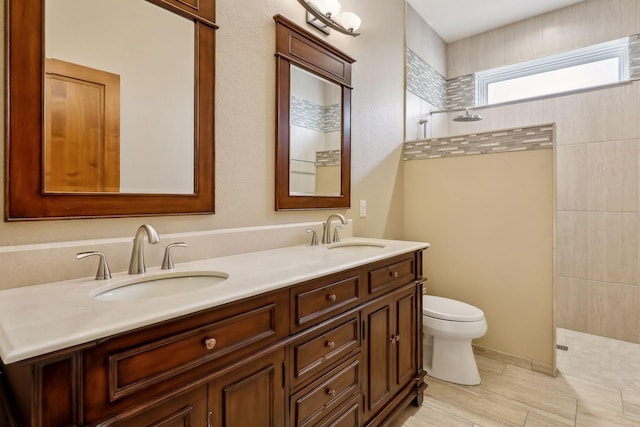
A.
pixel 35 320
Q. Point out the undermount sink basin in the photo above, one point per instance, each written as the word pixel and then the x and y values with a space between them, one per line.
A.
pixel 166 285
pixel 356 245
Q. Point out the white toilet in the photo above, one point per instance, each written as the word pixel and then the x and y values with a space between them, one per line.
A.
pixel 448 328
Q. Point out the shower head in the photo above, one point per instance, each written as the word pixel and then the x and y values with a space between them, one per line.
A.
pixel 467 117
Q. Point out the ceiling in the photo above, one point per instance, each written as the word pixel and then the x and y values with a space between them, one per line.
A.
pixel 457 19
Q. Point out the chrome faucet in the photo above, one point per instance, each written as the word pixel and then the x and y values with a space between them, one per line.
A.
pixel 326 227
pixel 136 265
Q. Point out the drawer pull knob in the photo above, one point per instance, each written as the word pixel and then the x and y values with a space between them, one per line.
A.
pixel 331 392
pixel 210 343
pixel 331 345
pixel 397 338
pixel 331 297
pixel 394 274
pixel 393 339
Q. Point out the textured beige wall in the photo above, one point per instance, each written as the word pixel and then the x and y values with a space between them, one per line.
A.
pixel 489 220
pixel 245 131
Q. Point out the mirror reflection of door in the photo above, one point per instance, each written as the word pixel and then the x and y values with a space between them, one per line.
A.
pixel 315 135
pixel 82 129
pixel 153 51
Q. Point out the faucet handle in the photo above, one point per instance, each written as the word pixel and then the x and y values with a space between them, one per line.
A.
pixel 314 237
pixel 167 261
pixel 336 235
pixel 103 267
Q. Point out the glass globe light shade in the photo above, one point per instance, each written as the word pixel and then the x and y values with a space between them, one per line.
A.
pixel 330 7
pixel 349 20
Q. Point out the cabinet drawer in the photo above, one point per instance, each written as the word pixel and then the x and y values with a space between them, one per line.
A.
pixel 322 299
pixel 188 409
pixel 139 365
pixel 347 416
pixel 322 397
pixel 318 351
pixel 387 275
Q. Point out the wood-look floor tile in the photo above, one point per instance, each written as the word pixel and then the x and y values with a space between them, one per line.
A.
pixel 589 415
pixel 574 388
pixel 540 419
pixel 631 404
pixel 547 401
pixel 472 403
pixel 597 386
pixel 486 364
pixel 428 416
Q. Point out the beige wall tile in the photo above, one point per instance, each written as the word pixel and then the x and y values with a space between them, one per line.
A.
pixel 616 304
pixel 570 115
pixel 459 58
pixel 610 19
pixel 523 40
pixel 595 306
pixel 612 114
pixel 424 41
pixel 571 177
pixel 637 315
pixel 413 114
pixel 613 176
pixel 564 29
pixel 487 50
pixel 526 114
pixel 613 247
pixel 571 303
pixel 571 244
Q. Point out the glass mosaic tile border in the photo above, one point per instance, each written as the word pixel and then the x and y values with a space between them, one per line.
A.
pixel 424 81
pixel 313 116
pixel 328 158
pixel 508 140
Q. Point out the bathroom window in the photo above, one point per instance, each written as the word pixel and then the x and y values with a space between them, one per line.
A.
pixel 583 68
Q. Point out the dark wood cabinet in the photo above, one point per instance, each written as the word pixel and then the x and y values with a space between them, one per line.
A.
pixel 377 319
pixel 187 409
pixel 341 350
pixel 252 394
pixel 392 336
pixel 122 371
pixel 391 360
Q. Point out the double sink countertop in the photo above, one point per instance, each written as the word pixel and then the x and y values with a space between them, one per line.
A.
pixel 39 319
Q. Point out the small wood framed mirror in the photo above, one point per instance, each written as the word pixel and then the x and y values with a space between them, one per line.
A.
pixel 313 132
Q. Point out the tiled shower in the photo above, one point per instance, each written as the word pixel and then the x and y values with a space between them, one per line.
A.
pixel 596 242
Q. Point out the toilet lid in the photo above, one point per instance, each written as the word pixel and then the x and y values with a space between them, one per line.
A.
pixel 448 309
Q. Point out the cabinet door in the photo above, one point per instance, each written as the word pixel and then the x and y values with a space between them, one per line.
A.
pixel 185 410
pixel 250 395
pixel 404 346
pixel 389 345
pixel 378 331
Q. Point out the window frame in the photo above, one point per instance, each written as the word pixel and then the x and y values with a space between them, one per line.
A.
pixel 618 48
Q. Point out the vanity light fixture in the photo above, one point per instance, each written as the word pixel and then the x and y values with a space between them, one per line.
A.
pixel 325 14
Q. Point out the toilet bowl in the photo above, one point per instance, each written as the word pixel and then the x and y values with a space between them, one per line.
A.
pixel 448 328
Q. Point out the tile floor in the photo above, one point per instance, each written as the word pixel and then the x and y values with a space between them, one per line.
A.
pixel 598 384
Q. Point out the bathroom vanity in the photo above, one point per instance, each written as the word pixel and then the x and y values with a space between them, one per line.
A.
pixel 299 336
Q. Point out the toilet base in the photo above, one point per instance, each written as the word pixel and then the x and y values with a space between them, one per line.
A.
pixel 451 360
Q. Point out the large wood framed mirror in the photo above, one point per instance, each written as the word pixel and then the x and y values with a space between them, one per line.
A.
pixel 313 135
pixel 110 108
